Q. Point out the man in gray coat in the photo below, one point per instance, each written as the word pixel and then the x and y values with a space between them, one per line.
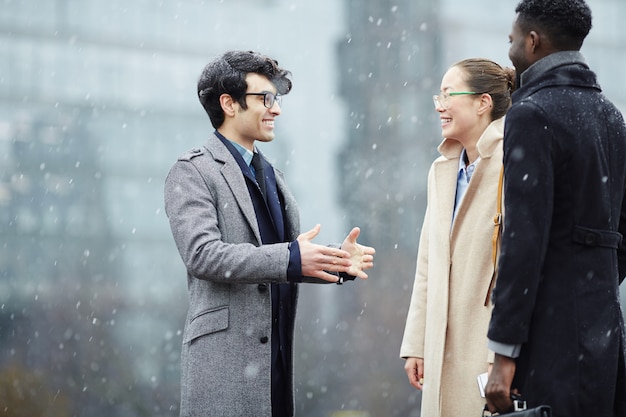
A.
pixel 557 326
pixel 236 226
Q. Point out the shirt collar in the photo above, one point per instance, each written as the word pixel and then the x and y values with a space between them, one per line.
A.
pixel 462 166
pixel 244 152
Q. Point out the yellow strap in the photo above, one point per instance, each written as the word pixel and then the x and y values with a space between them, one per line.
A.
pixel 495 239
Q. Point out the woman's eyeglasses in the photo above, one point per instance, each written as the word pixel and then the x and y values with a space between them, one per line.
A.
pixel 443 99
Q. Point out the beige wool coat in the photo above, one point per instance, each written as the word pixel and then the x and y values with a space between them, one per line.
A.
pixel 447 320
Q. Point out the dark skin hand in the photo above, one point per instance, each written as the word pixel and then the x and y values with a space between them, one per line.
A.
pixel 498 389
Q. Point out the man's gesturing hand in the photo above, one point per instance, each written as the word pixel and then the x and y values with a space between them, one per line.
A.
pixel 317 259
pixel 362 257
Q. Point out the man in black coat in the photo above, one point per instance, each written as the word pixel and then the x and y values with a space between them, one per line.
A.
pixel 557 326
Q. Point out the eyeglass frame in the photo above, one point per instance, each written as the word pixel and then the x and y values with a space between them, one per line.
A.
pixel 451 94
pixel 268 96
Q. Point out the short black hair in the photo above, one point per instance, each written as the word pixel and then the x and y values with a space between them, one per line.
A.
pixel 226 74
pixel 565 22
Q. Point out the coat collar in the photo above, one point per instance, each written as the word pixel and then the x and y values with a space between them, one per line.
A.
pixel 445 170
pixel 487 143
pixel 561 69
pixel 551 62
pixel 233 175
pixel 232 171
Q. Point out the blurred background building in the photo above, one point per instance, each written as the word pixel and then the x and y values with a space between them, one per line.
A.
pixel 97 99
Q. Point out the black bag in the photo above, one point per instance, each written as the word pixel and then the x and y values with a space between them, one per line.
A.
pixel 520 410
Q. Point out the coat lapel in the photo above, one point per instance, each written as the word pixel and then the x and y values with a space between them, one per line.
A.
pixel 488 145
pixel 276 189
pixel 445 171
pixel 232 173
pixel 292 218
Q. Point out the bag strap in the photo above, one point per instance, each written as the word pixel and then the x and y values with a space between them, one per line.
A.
pixel 495 238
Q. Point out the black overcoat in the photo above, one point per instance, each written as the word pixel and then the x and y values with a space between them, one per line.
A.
pixel 562 257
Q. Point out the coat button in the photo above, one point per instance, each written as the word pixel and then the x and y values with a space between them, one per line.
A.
pixel 264 339
pixel 262 287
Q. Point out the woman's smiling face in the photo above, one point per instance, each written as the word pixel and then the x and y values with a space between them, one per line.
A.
pixel 459 116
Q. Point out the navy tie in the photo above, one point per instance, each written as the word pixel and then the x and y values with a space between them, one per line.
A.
pixel 257 164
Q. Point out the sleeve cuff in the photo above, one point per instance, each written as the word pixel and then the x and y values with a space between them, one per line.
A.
pixel 294 268
pixel 503 349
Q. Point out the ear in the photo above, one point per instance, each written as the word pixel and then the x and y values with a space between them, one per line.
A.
pixel 228 105
pixel 533 42
pixel 485 104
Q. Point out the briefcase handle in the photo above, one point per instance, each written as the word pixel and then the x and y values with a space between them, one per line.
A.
pixel 520 409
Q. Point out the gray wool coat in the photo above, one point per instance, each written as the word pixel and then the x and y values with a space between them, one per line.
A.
pixel 226 352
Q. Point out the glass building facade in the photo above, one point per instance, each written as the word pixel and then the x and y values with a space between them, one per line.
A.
pixel 97 99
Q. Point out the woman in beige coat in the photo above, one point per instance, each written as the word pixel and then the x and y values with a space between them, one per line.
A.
pixel 445 339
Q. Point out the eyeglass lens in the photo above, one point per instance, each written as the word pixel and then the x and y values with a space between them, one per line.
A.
pixel 441 100
pixel 270 99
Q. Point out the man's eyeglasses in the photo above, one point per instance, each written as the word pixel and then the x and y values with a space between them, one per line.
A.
pixel 268 98
pixel 443 99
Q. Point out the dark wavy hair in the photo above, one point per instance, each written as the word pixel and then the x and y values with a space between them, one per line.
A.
pixel 485 76
pixel 565 22
pixel 226 74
